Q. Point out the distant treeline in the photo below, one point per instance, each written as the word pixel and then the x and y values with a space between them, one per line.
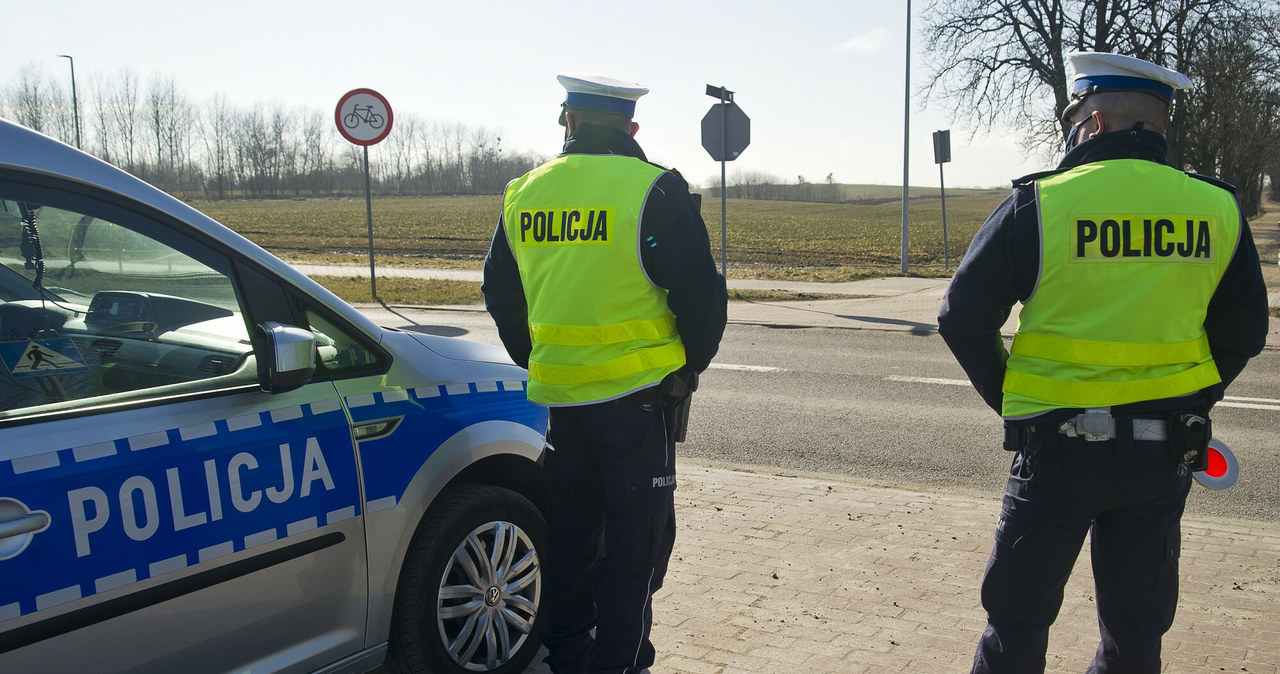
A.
pixel 768 187
pixel 218 150
pixel 761 186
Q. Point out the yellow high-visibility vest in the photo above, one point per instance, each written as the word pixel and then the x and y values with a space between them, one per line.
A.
pixel 600 328
pixel 1131 253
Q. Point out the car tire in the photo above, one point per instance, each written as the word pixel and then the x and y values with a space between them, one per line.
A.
pixel 459 606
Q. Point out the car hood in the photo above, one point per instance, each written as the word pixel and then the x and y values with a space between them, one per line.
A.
pixel 461 349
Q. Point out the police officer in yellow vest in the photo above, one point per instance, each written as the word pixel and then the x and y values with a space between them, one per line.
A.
pixel 601 281
pixel 1142 300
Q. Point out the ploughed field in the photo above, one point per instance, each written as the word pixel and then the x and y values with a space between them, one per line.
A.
pixel 765 239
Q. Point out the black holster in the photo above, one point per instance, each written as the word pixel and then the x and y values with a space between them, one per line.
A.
pixel 1189 435
pixel 1016 438
pixel 677 391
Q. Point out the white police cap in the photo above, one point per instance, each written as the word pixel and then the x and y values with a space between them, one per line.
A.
pixel 1092 72
pixel 597 92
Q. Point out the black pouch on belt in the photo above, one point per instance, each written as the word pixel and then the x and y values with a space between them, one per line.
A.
pixel 1016 438
pixel 678 388
pixel 1189 435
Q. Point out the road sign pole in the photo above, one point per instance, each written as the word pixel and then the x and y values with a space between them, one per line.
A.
pixel 942 155
pixel 942 189
pixel 364 117
pixel 724 238
pixel 368 213
pixel 724 195
pixel 717 142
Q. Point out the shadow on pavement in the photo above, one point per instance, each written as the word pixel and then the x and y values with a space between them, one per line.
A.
pixel 438 330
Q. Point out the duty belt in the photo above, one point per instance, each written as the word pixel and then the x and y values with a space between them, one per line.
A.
pixel 1097 424
pixel 649 397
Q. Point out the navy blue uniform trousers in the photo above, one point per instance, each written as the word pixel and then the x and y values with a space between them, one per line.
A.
pixel 610 530
pixel 1129 496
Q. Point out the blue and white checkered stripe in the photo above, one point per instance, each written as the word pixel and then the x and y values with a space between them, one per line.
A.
pixel 431 414
pixel 45 481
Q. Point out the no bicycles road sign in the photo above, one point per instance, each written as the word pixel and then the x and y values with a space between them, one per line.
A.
pixel 363 117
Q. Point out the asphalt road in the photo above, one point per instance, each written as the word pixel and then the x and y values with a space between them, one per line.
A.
pixel 894 409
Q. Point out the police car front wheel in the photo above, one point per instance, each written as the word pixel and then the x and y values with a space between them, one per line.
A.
pixel 471 586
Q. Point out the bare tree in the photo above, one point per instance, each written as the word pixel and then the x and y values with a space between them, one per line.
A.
pixel 126 122
pixel 218 145
pixel 29 99
pixel 184 127
pixel 401 149
pixel 349 168
pixel 752 185
pixel 1003 62
pixel 170 117
pixel 317 152
pixel 431 159
pixel 456 169
pixel 1236 104
pixel 484 157
pixel 101 121
pixel 62 119
pixel 252 152
pixel 284 148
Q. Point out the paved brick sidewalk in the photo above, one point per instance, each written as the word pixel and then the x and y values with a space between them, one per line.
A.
pixel 809 574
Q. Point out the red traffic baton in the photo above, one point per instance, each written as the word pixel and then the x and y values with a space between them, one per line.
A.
pixel 1222 471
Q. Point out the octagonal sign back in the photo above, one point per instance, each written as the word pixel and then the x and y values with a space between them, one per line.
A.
pixel 726 131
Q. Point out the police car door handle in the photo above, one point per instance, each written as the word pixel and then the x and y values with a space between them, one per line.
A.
pixel 24 525
pixel 375 430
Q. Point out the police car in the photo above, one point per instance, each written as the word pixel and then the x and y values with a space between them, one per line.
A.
pixel 208 462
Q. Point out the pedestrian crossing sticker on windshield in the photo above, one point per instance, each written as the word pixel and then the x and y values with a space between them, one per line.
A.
pixel 35 357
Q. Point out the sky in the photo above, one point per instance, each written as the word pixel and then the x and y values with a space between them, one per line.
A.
pixel 823 82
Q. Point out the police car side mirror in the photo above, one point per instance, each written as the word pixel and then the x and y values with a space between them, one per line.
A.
pixel 288 360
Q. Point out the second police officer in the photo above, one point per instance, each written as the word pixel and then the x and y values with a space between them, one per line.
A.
pixel 601 282
pixel 1142 300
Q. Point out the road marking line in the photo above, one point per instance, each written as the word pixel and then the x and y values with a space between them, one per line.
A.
pixel 928 380
pixel 1228 401
pixel 1251 406
pixel 744 368
pixel 1270 401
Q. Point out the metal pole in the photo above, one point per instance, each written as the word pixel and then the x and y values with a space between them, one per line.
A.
pixel 724 147
pixel 946 257
pixel 906 141
pixel 723 210
pixel 368 211
pixel 75 106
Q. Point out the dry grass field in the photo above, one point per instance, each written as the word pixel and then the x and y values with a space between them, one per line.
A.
pixel 766 239
pixel 785 240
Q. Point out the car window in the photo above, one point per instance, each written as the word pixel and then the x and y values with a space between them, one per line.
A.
pixel 100 304
pixel 338 352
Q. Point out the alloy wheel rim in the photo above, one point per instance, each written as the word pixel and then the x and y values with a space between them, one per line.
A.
pixel 489 596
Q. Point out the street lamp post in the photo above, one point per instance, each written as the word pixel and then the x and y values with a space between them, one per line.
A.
pixel 75 106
